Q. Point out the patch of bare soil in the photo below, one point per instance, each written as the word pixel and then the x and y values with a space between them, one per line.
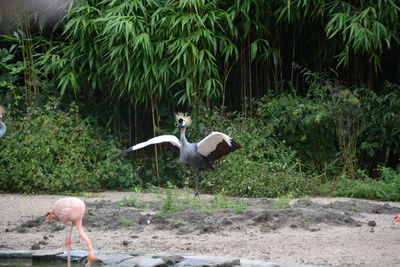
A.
pixel 320 231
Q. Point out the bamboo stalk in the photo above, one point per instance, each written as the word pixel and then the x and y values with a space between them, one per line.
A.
pixel 154 134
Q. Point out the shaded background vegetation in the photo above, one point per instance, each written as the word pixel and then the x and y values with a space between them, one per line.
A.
pixel 309 88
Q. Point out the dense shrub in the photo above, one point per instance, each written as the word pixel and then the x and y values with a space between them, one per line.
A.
pixel 387 189
pixel 305 125
pixel 263 167
pixel 380 142
pixel 48 150
pixel 336 129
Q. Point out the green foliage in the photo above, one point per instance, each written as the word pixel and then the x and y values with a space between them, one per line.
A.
pixel 283 202
pixel 174 200
pixel 363 28
pixel 381 140
pixel 132 201
pixel 136 58
pixel 10 70
pixel 263 167
pixel 126 222
pixel 305 126
pixel 49 150
pixel 146 48
pixel 336 128
pixel 387 189
pixel 237 206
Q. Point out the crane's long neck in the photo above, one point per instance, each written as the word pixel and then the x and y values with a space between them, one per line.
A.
pixel 82 234
pixel 3 129
pixel 183 137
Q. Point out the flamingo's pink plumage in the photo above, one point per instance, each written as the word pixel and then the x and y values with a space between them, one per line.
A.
pixel 70 210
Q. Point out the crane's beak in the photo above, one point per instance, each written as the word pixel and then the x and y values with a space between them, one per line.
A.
pixel 396 219
pixel 181 126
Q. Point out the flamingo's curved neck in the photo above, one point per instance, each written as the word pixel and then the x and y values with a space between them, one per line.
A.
pixel 86 239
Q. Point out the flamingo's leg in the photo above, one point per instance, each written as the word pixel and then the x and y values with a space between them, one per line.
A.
pixel 68 241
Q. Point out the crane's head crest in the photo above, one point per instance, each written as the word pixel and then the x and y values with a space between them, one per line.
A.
pixel 184 117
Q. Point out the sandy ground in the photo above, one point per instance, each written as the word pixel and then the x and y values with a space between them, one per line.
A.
pixel 296 235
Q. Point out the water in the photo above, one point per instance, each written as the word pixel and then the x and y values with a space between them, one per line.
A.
pixel 12 262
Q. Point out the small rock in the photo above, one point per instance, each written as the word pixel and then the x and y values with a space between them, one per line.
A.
pixel 293 226
pixel 172 259
pixel 32 223
pixel 150 262
pixel 35 247
pixel 372 223
pixel 125 243
pixel 210 261
pixel 45 237
pixel 20 229
pixel 372 230
pixel 178 224
pixel 134 236
pixel 57 228
pixel 226 221
pixel 41 242
pixel 7 230
pixel 144 219
pixel 113 259
pixel 154 237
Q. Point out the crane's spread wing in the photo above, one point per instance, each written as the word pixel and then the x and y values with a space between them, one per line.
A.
pixel 216 145
pixel 172 139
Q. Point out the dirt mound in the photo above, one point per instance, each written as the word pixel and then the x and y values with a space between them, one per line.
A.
pixel 107 215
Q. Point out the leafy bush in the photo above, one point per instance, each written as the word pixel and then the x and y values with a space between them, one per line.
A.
pixel 380 143
pixel 387 189
pixel 336 128
pixel 305 125
pixel 263 167
pixel 10 91
pixel 49 150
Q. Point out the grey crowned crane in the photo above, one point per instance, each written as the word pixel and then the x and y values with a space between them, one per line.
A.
pixel 196 155
pixel 3 127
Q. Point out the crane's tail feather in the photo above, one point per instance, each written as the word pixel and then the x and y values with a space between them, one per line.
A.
pixel 122 153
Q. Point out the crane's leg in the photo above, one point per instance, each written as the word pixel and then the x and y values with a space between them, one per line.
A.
pixel 196 186
pixel 68 229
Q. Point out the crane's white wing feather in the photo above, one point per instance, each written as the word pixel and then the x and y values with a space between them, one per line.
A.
pixel 155 140
pixel 206 146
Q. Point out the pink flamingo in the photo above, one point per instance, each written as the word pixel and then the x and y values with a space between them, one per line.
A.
pixel 70 211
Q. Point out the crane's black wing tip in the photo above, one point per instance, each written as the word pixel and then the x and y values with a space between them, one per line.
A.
pixel 235 146
pixel 223 149
pixel 117 157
